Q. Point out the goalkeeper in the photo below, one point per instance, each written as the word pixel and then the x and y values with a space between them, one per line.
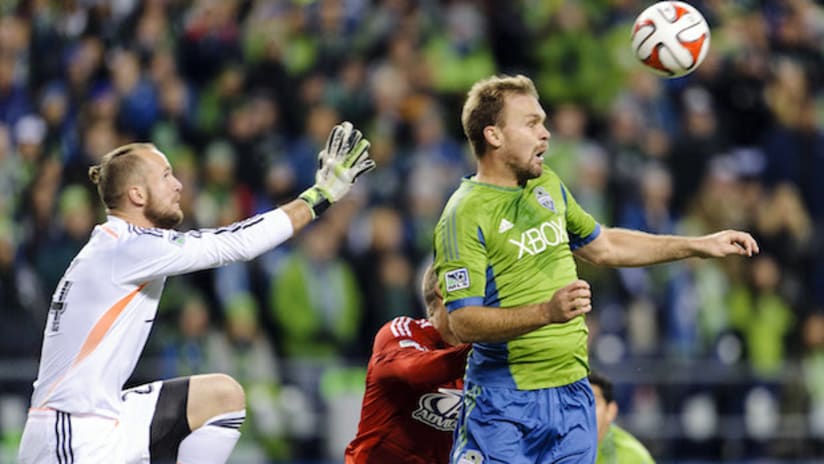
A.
pixel 105 304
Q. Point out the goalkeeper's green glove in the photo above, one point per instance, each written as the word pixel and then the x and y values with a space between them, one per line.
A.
pixel 343 159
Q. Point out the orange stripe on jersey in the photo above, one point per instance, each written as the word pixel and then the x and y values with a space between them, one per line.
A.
pixel 110 231
pixel 103 325
pixel 96 335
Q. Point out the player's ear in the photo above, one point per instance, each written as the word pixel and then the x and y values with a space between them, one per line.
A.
pixel 493 136
pixel 612 411
pixel 137 195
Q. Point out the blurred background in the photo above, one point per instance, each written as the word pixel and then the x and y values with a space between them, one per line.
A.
pixel 713 361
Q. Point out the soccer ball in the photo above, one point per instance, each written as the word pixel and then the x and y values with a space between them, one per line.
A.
pixel 670 38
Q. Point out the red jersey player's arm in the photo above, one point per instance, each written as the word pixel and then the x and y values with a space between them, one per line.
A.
pixel 414 365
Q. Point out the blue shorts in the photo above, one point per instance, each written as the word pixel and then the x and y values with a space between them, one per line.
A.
pixel 507 426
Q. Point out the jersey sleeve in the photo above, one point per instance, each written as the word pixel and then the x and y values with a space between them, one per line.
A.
pixel 404 356
pixel 153 253
pixel 460 259
pixel 581 226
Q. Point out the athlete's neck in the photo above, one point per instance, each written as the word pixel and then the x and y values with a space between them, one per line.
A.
pixel 494 172
pixel 496 177
pixel 135 219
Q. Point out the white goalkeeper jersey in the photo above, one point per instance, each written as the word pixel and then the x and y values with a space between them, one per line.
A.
pixel 105 304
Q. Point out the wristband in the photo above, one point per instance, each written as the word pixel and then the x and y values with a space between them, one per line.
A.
pixel 316 200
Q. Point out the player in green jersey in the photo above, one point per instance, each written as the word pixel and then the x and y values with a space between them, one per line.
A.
pixel 504 250
pixel 615 445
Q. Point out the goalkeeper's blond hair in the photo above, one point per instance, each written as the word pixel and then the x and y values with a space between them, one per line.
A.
pixel 115 171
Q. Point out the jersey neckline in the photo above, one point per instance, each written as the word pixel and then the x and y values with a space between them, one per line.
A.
pixel 471 179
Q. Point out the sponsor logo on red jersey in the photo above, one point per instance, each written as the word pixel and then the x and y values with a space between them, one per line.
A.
pixel 439 410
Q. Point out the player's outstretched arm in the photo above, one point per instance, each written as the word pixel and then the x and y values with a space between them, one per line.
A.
pixel 343 159
pixel 629 248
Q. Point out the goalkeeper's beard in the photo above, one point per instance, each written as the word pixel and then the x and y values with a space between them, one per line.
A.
pixel 162 218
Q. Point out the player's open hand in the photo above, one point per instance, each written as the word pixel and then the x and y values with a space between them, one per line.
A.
pixel 725 243
pixel 343 159
pixel 570 302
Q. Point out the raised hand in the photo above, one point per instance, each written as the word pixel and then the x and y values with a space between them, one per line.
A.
pixel 344 158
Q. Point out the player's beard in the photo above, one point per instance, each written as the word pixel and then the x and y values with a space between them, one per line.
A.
pixel 525 172
pixel 162 218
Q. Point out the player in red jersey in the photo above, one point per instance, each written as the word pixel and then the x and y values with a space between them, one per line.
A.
pixel 413 389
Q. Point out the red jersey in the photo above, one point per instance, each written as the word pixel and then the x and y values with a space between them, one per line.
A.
pixel 413 396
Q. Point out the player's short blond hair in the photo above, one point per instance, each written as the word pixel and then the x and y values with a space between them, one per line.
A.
pixel 484 105
pixel 117 169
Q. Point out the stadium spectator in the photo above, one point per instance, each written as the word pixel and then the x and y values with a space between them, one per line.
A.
pixel 20 293
pixel 763 317
pixel 244 351
pixel 615 445
pixel 315 279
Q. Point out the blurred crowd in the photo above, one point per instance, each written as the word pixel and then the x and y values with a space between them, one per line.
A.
pixel 240 95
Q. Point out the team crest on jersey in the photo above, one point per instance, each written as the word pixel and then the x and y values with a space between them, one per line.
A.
pixel 471 457
pixel 457 279
pixel 544 199
pixel 439 410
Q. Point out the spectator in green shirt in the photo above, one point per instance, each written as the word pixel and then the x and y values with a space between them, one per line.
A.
pixel 615 445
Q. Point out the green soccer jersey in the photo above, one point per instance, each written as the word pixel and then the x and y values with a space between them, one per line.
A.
pixel 507 247
pixel 619 447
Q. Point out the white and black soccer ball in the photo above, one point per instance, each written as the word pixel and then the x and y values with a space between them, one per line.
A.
pixel 670 38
